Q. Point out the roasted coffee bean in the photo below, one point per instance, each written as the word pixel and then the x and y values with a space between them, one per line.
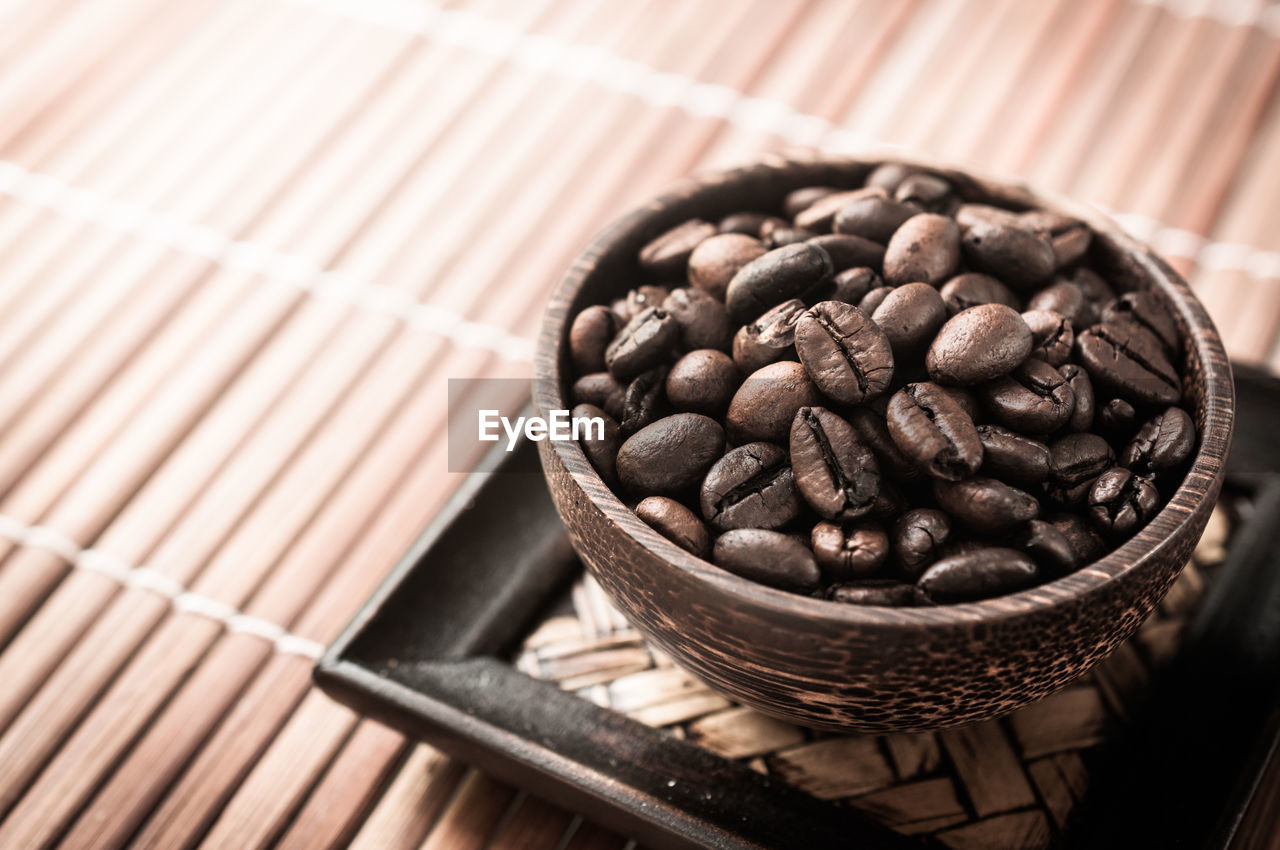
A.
pixel 848 251
pixel 873 299
pixel 1064 298
pixel 1082 388
pixel 1086 544
pixel 874 433
pixel 703 321
pixel 676 523
pixel 1012 457
pixel 928 426
pixel 590 333
pixel 716 260
pixel 746 223
pixel 1121 502
pixel 668 254
pixel 703 381
pixel 979 345
pixel 924 190
pixel 643 297
pixel 644 402
pixel 768 557
pixel 820 215
pixel 671 455
pixel 1126 359
pixel 968 215
pixel 889 176
pixel 1050 548
pixel 750 354
pixel 1051 336
pixel 1069 236
pixel 918 536
pixel 1034 398
pixel 777 232
pixel 972 289
pixel 1117 418
pixel 752 486
pixel 986 505
pixel 1097 295
pixel 1163 443
pixel 1012 253
pixel 775 277
pixel 884 593
pixel 967 400
pixel 889 502
pixel 767 401
pixel 1146 309
pixel 777 327
pixel 873 217
pixel 601 450
pixel 846 354
pixel 602 390
pixel 849 286
pixel 837 475
pixel 910 315
pixel 850 550
pixel 1074 462
pixel 645 342
pixel 978 574
pixel 925 249
pixel 799 200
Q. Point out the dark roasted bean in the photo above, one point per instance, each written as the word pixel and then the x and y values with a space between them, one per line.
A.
pixel 1012 457
pixel 1086 544
pixel 703 321
pixel 1051 336
pixel 1074 462
pixel 1020 257
pixel 644 343
pixel 967 400
pixel 644 401
pixel 591 332
pixel 874 433
pixel 1050 548
pixel 602 390
pixel 979 345
pixel 767 401
pixel 671 455
pixel 889 502
pixel 768 557
pixel 668 254
pixel 703 381
pixel 873 299
pixel 715 261
pixel 1064 298
pixel 918 536
pixel 978 574
pixel 849 251
pixel 1127 360
pixel 777 276
pixel 1097 295
pixel 849 286
pixel 752 486
pixel 777 232
pixel 602 451
pixel 884 593
pixel 910 316
pixel 1147 310
pixel 889 176
pixel 925 249
pixel 1082 388
pixel 837 475
pixel 1034 398
pixel 1163 443
pixel 676 523
pixel 971 289
pixel 1121 502
pixel 746 223
pixel 969 215
pixel 799 200
pixel 847 356
pixel 750 354
pixel 925 190
pixel 1069 236
pixel 1117 418
pixel 873 217
pixel 850 550
pixel 643 297
pixel 820 214
pixel 986 505
pixel 928 426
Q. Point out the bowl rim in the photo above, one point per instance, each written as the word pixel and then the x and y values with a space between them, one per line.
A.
pixel 1159 535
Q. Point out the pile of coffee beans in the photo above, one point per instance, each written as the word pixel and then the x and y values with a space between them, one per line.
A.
pixel 886 395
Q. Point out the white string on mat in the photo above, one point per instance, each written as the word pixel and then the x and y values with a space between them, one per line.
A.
pixel 154 581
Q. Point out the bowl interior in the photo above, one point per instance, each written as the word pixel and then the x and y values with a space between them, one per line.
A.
pixel 606 270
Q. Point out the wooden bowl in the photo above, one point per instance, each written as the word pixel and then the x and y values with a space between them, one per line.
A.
pixel 846 667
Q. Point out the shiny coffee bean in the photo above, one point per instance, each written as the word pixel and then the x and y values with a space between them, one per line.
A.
pixel 601 451
pixel 925 249
pixel 837 475
pixel 1082 388
pixel 643 297
pixel 910 316
pixel 1012 457
pixel 776 328
pixel 644 401
pixel 873 299
pixel 931 429
pixel 849 286
pixel 750 354
pixel 752 486
pixel 1051 336
pixel 715 261
pixel 668 254
pixel 1163 443
pixel 918 537
pixel 746 223
pixel 986 505
pixel 978 574
pixel 1069 236
pixel 820 215
pixel 850 550
pixel 1117 418
pixel 676 523
pixel 777 232
pixel 1064 298
pixel 924 190
pixel 1127 360
pixel 1020 257
pixel 1085 542
pixel 799 200
pixel 848 251
pixel 1034 398
pixel 768 557
pixel 1074 462
pixel 979 345
pixel 846 354
pixel 1049 547
pixel 873 217
pixel 767 401
pixel 671 455
pixel 874 433
pixel 590 333
pixel 1097 295
pixel 703 321
pixel 645 342
pixel 601 390
pixel 777 276
pixel 884 593
pixel 1149 311
pixel 1121 502
pixel 703 381
pixel 972 289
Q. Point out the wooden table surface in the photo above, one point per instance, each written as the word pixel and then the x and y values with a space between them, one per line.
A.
pixel 245 243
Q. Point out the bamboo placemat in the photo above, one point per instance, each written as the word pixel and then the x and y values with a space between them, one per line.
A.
pixel 244 244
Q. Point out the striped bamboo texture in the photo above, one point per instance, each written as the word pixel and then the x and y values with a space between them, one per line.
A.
pixel 243 245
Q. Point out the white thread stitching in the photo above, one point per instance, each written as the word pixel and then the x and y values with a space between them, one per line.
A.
pixel 146 578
